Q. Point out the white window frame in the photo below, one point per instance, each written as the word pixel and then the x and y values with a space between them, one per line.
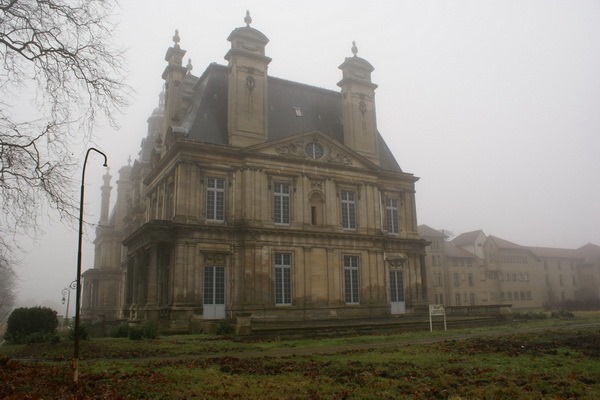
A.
pixel 392 216
pixel 348 204
pixel 216 196
pixel 282 203
pixel 283 279
pixel 351 279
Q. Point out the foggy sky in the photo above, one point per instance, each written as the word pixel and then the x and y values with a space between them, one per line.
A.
pixel 494 105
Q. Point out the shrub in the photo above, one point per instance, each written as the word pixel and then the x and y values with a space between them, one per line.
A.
pixel 562 314
pixel 149 330
pixel 530 315
pixel 24 322
pixel 121 331
pixel 224 328
pixel 83 332
pixel 39 337
pixel 135 333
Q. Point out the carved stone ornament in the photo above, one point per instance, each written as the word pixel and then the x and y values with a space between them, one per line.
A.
pixel 295 149
pixel 335 156
pixel 215 258
pixel 250 83
pixel 316 184
pixel 362 106
pixel 397 260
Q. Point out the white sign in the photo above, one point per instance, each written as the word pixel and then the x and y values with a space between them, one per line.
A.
pixel 436 310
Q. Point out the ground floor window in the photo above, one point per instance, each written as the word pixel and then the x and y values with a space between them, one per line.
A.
pixel 351 279
pixel 283 278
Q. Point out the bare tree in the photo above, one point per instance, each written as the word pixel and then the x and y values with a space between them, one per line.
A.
pixel 7 291
pixel 60 74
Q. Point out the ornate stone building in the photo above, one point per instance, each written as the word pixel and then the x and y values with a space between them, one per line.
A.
pixel 259 195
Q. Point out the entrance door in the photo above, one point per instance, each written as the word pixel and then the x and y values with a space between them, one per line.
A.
pixel 214 292
pixel 397 292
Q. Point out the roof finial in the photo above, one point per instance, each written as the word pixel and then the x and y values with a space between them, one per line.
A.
pixel 354 48
pixel 248 19
pixel 129 161
pixel 189 66
pixel 176 38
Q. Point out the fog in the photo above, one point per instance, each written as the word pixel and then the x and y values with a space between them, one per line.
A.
pixel 494 105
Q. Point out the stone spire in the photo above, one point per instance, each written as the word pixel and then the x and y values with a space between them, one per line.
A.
pixel 247 111
pixel 105 202
pixel 173 76
pixel 358 106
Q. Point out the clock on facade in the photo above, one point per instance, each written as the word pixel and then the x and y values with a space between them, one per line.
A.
pixel 314 150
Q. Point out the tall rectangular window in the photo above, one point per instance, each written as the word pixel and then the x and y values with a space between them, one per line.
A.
pixel 351 285
pixel 348 210
pixel 215 199
pixel 456 280
pixel 281 203
pixel 391 209
pixel 283 278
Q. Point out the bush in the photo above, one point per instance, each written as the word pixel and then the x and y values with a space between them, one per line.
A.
pixel 24 322
pixel 121 331
pixel 39 337
pixel 149 330
pixel 84 332
pixel 562 314
pixel 224 328
pixel 529 315
pixel 135 333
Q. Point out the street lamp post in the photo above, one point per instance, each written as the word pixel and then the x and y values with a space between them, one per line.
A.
pixel 78 288
pixel 67 292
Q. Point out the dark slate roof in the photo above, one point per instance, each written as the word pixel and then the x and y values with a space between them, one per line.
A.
pixel 321 110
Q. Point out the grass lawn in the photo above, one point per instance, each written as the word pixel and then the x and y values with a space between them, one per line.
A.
pixel 525 360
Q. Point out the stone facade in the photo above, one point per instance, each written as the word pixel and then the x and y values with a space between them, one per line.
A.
pixel 475 269
pixel 258 195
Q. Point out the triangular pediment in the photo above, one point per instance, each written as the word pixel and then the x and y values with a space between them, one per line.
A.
pixel 314 147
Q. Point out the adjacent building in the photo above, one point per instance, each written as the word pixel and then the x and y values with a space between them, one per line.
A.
pixel 476 269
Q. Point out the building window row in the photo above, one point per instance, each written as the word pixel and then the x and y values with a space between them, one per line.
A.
pixel 283 279
pixel 515 296
pixel 215 206
pixel 469 278
pixel 467 299
pixel 456 261
pixel 513 277
pixel 509 259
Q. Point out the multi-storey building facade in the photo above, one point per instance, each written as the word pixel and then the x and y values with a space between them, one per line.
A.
pixel 560 273
pixel 259 195
pixel 482 270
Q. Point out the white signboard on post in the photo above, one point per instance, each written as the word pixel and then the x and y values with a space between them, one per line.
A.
pixel 436 310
